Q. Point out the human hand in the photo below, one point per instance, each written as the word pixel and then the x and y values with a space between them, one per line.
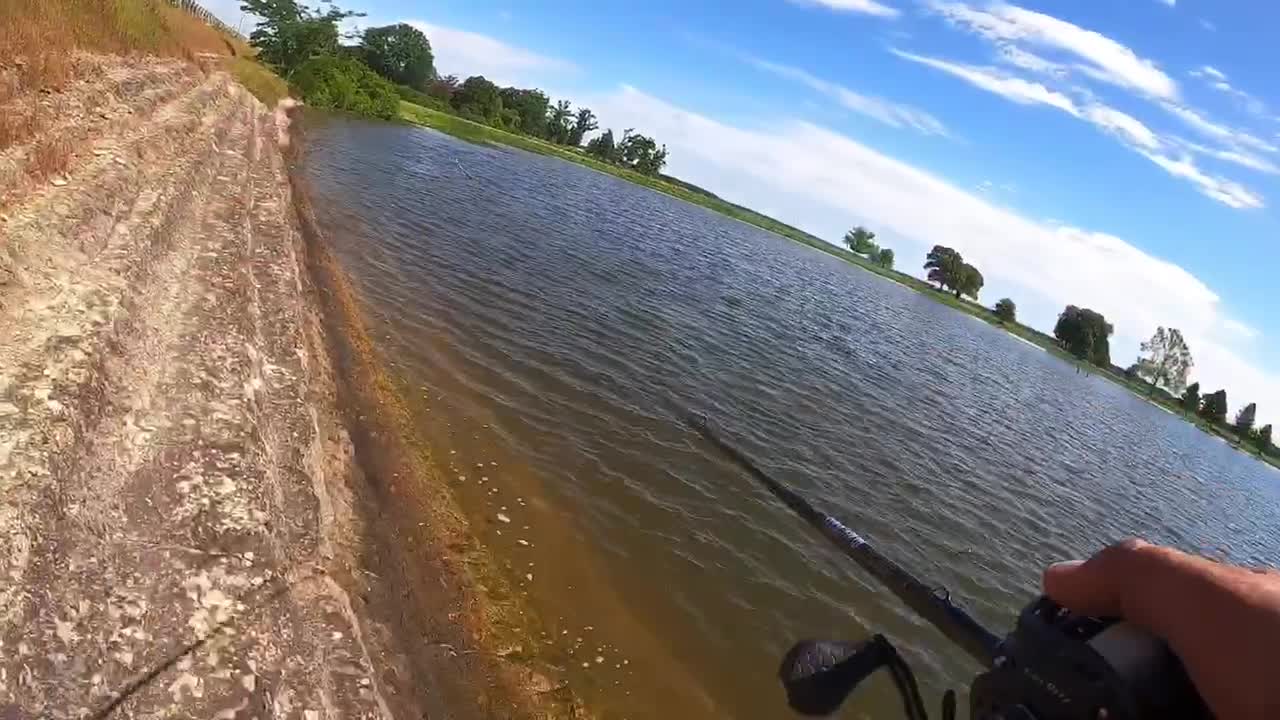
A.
pixel 1222 621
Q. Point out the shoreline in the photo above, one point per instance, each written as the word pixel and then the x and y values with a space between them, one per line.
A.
pixel 455 596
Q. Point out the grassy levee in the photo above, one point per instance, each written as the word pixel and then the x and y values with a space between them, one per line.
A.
pixel 484 134
pixel 265 85
pixel 43 35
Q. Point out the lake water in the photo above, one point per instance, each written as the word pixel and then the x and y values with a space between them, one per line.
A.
pixel 549 321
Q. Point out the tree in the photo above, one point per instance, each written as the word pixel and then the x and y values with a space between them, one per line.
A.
pixel 1263 440
pixel 944 265
pixel 1167 361
pixel 400 53
pixel 443 88
pixel 969 282
pixel 477 98
pixel 583 123
pixel 509 119
pixel 289 34
pixel 861 241
pixel 638 152
pixel 884 258
pixel 1086 334
pixel 1191 398
pixel 1213 407
pixel 1006 310
pixel 603 147
pixel 532 105
pixel 558 122
pixel 641 153
pixel 1245 420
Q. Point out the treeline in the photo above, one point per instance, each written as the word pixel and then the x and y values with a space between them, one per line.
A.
pixel 1163 365
pixel 529 111
pixel 395 62
pixel 862 241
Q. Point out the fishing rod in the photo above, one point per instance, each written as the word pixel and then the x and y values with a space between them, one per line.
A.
pixel 1053 665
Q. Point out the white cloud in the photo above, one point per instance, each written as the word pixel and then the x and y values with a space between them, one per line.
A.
pixel 1012 29
pixel 1218 131
pixel 866 7
pixel 1217 80
pixel 467 53
pixel 1024 92
pixel 1020 58
pixel 1227 192
pixel 1243 158
pixel 1103 58
pixel 1207 25
pixel 1126 128
pixel 1209 70
pixel 1129 128
pixel 1170 3
pixel 825 182
pixel 885 111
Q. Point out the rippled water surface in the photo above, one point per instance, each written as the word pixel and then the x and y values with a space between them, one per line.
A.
pixel 549 319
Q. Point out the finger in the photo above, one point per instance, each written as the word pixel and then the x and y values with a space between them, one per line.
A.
pixel 1085 587
pixel 1151 586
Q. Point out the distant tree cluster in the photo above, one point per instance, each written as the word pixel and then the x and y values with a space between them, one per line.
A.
pixel 1086 334
pixel 862 241
pixel 948 268
pixel 1006 310
pixel 638 152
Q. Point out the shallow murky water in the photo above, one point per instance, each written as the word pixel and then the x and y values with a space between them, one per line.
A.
pixel 550 320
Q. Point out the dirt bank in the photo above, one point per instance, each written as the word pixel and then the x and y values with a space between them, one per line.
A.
pixel 198 517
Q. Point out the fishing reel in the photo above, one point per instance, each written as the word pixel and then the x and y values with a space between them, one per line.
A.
pixel 1055 665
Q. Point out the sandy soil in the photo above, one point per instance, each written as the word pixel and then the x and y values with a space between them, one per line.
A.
pixel 189 526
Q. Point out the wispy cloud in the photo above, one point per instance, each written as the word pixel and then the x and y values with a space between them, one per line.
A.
pixel 1017 57
pixel 1011 88
pixel 1217 131
pixel 885 111
pixel 1217 80
pixel 1169 3
pixel 1066 56
pixel 1095 54
pixel 1209 71
pixel 469 53
pixel 1128 128
pixel 1227 192
pixel 866 7
pixel 1131 132
pixel 1240 157
pixel 825 181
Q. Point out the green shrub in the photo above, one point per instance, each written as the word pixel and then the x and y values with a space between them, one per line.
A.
pixel 346 84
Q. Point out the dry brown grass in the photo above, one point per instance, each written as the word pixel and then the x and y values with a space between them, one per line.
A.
pixel 51 158
pixel 16 127
pixel 40 35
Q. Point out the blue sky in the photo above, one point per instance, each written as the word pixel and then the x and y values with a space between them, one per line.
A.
pixel 1123 155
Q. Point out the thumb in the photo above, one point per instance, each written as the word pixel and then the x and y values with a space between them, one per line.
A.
pixel 1101 586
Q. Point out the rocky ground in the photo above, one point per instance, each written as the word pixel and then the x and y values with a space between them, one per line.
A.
pixel 175 521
